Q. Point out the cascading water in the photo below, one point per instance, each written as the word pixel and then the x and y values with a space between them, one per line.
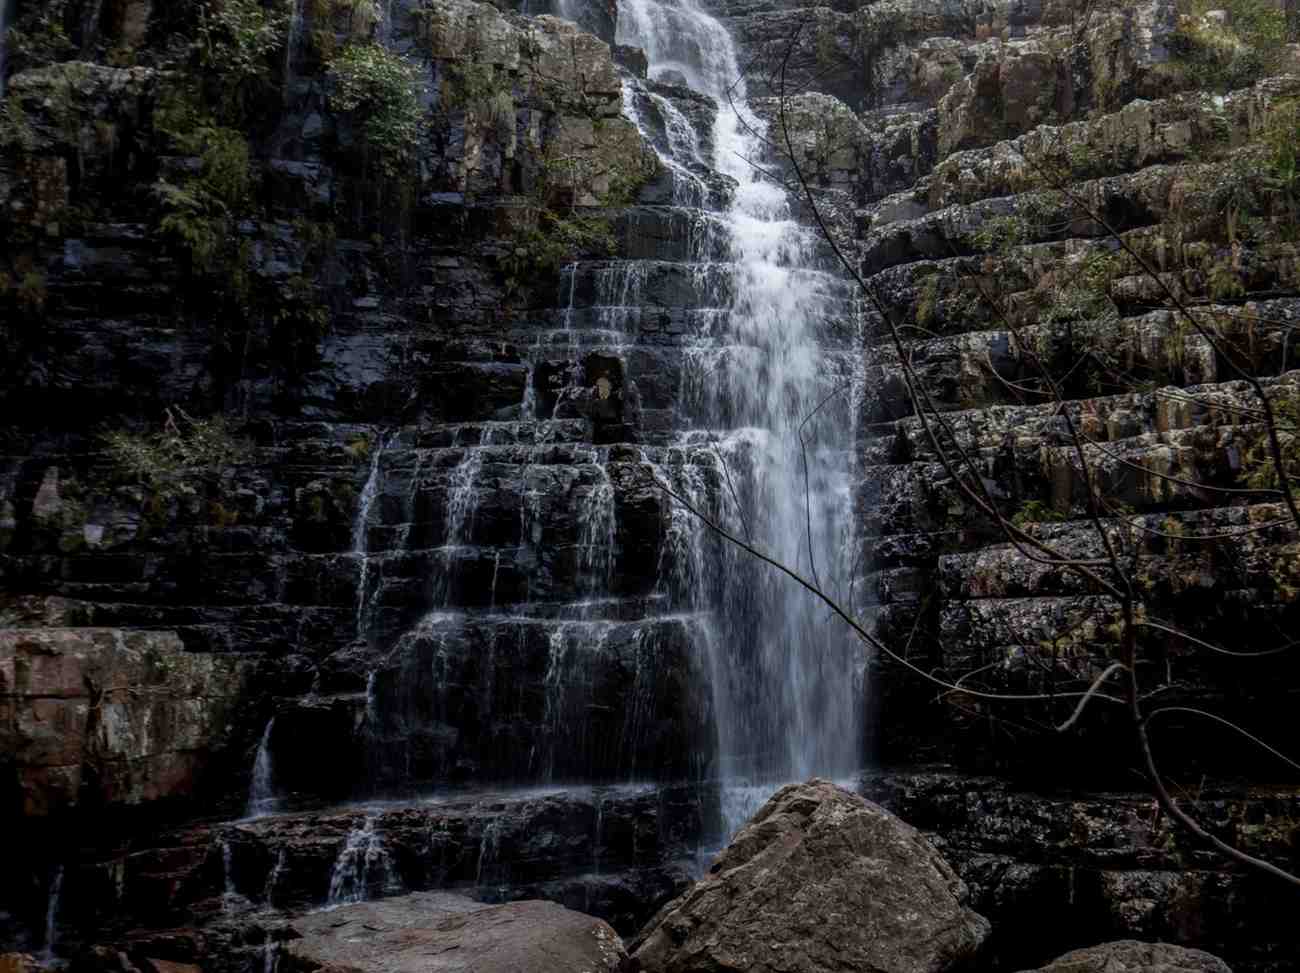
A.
pixel 6 17
pixel 363 866
pixel 261 789
pixel 291 43
pixel 787 680
pixel 361 536
pixel 52 913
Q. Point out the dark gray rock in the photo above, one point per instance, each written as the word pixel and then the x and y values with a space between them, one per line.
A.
pixel 1133 957
pixel 818 880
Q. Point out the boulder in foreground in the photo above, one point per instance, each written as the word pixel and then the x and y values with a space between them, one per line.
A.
pixel 818 880
pixel 1129 956
pixel 434 932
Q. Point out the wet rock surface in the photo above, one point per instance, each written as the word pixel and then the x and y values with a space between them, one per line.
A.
pixel 824 880
pixel 1057 869
pixel 450 934
pixel 469 416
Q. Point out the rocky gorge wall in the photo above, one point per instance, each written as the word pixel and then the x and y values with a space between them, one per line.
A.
pixel 444 420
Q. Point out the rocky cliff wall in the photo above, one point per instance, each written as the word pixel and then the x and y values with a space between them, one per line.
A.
pixel 401 355
pixel 1031 186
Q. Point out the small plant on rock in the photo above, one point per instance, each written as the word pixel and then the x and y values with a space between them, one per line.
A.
pixel 177 460
pixel 236 41
pixel 382 92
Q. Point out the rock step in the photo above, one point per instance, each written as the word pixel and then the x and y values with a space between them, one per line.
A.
pixel 1106 419
pixel 1211 548
pixel 1128 202
pixel 1139 134
pixel 617 851
pixel 1250 524
pixel 986 367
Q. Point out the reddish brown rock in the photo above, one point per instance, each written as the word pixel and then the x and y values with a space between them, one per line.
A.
pixel 106 715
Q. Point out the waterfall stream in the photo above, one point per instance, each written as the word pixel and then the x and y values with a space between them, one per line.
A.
pixel 787 684
pixel 291 44
pixel 363 866
pixel 52 913
pixel 361 535
pixel 261 789
pixel 6 18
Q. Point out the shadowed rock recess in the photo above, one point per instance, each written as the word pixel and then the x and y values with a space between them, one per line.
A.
pixel 361 355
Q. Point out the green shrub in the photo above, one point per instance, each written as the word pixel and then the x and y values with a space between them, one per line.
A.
pixel 382 91
pixel 179 459
pixel 38 37
pixel 1260 470
pixel 198 211
pixel 236 41
pixel 1250 46
pixel 1036 512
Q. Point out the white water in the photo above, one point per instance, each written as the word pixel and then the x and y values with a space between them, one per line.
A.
pixel 787 681
pixel 6 17
pixel 363 864
pixel 52 913
pixel 273 879
pixel 361 536
pixel 261 789
pixel 229 894
pixel 291 44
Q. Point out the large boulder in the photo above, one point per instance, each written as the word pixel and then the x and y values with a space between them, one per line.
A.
pixel 434 932
pixel 819 879
pixel 1128 956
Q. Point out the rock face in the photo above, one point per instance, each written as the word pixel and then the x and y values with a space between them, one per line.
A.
pixel 1055 869
pixel 103 718
pixel 440 933
pixel 1134 957
pixel 819 880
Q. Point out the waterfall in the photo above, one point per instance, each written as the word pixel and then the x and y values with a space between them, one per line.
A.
pixel 787 679
pixel 462 493
pixel 52 912
pixel 261 789
pixel 363 864
pixel 291 45
pixel 228 894
pixel 361 537
pixel 273 879
pixel 6 17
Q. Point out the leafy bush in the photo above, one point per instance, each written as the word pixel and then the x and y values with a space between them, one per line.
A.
pixel 38 37
pixel 1225 56
pixel 382 91
pixel 1260 469
pixel 198 210
pixel 180 458
pixel 1036 512
pixel 236 39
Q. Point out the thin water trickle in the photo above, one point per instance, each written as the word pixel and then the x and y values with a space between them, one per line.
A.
pixel 52 913
pixel 489 847
pixel 361 536
pixel 273 879
pixel 6 18
pixel 291 42
pixel 228 894
pixel 463 494
pixel 261 789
